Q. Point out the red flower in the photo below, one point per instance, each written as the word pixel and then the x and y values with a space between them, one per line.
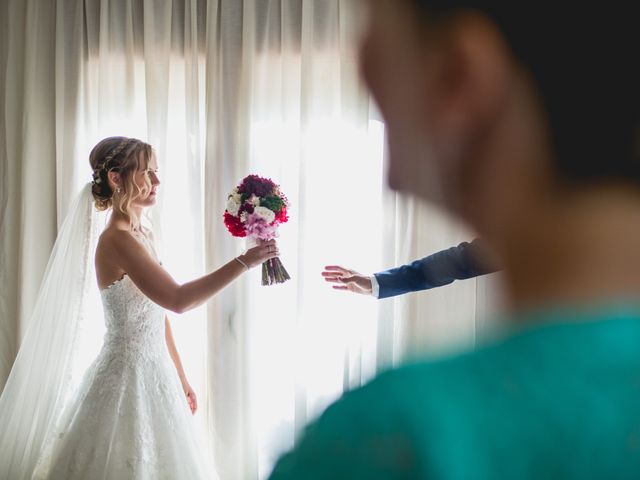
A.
pixel 281 216
pixel 234 225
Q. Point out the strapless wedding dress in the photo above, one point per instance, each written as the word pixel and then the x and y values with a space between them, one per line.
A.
pixel 130 418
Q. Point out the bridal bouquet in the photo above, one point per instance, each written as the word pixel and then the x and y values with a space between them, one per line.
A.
pixel 255 209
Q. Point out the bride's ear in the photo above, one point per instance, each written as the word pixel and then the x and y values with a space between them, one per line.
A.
pixel 115 181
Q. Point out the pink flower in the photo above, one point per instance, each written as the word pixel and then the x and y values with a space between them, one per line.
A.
pixel 257 227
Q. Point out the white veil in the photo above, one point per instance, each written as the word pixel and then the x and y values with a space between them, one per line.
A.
pixel 48 366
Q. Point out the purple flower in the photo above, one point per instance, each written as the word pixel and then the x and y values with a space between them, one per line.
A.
pixel 258 186
pixel 246 207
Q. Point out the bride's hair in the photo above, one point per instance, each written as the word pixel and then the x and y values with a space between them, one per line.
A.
pixel 125 156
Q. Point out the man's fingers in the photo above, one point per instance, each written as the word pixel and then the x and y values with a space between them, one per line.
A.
pixel 336 268
pixel 333 279
pixel 339 279
pixel 330 274
pixel 333 275
pixel 340 287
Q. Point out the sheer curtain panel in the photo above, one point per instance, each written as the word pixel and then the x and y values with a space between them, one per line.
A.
pixel 222 89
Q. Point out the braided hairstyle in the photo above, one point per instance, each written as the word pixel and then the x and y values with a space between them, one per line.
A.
pixel 125 156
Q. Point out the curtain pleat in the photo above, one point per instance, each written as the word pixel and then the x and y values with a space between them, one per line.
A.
pixel 222 89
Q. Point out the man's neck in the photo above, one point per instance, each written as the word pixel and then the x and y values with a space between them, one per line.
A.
pixel 586 252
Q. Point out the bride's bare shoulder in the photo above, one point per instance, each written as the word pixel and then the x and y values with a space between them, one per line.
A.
pixel 114 238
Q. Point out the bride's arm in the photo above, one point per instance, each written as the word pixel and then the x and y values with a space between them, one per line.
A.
pixel 173 352
pixel 156 283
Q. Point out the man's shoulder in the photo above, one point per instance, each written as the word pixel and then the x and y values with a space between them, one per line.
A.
pixel 457 382
pixel 424 385
pixel 531 355
pixel 457 363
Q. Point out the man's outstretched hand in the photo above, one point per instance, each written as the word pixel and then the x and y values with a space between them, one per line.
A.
pixel 346 279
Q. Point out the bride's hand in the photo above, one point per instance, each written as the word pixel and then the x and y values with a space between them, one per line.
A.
pixel 258 255
pixel 191 397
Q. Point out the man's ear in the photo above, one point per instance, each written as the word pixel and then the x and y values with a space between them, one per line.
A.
pixel 473 75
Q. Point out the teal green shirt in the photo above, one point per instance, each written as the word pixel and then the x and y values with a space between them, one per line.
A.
pixel 558 400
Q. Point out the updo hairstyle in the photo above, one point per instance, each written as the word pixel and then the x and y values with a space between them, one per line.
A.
pixel 125 156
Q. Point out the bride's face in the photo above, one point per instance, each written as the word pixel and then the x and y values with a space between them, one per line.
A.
pixel 146 179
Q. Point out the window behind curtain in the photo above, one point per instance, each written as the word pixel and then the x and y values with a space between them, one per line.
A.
pixel 308 130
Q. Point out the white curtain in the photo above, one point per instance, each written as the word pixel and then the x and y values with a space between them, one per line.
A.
pixel 224 88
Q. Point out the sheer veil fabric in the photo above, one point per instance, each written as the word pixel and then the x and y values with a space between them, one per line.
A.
pixel 49 364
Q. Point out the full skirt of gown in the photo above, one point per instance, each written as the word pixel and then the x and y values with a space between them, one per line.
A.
pixel 130 418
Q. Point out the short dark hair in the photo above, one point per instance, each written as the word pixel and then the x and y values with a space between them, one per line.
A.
pixel 584 60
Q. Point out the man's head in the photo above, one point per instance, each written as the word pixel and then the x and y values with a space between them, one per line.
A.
pixel 491 105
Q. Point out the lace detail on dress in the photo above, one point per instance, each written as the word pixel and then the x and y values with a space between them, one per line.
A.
pixel 135 325
pixel 130 418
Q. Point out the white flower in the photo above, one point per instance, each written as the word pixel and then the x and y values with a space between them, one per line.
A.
pixel 265 213
pixel 233 206
pixel 253 200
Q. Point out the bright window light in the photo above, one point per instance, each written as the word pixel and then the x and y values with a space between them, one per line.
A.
pixel 308 342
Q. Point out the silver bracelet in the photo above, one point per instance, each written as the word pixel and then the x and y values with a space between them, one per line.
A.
pixel 237 259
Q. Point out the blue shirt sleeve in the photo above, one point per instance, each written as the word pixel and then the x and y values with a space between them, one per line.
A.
pixel 467 260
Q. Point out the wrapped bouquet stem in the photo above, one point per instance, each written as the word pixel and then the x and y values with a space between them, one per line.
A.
pixel 273 270
pixel 255 209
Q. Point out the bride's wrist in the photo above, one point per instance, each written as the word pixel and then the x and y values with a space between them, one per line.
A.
pixel 242 260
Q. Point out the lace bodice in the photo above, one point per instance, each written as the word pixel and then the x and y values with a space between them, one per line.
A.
pixel 135 324
pixel 130 418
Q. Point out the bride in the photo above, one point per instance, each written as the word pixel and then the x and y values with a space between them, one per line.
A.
pixel 129 417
